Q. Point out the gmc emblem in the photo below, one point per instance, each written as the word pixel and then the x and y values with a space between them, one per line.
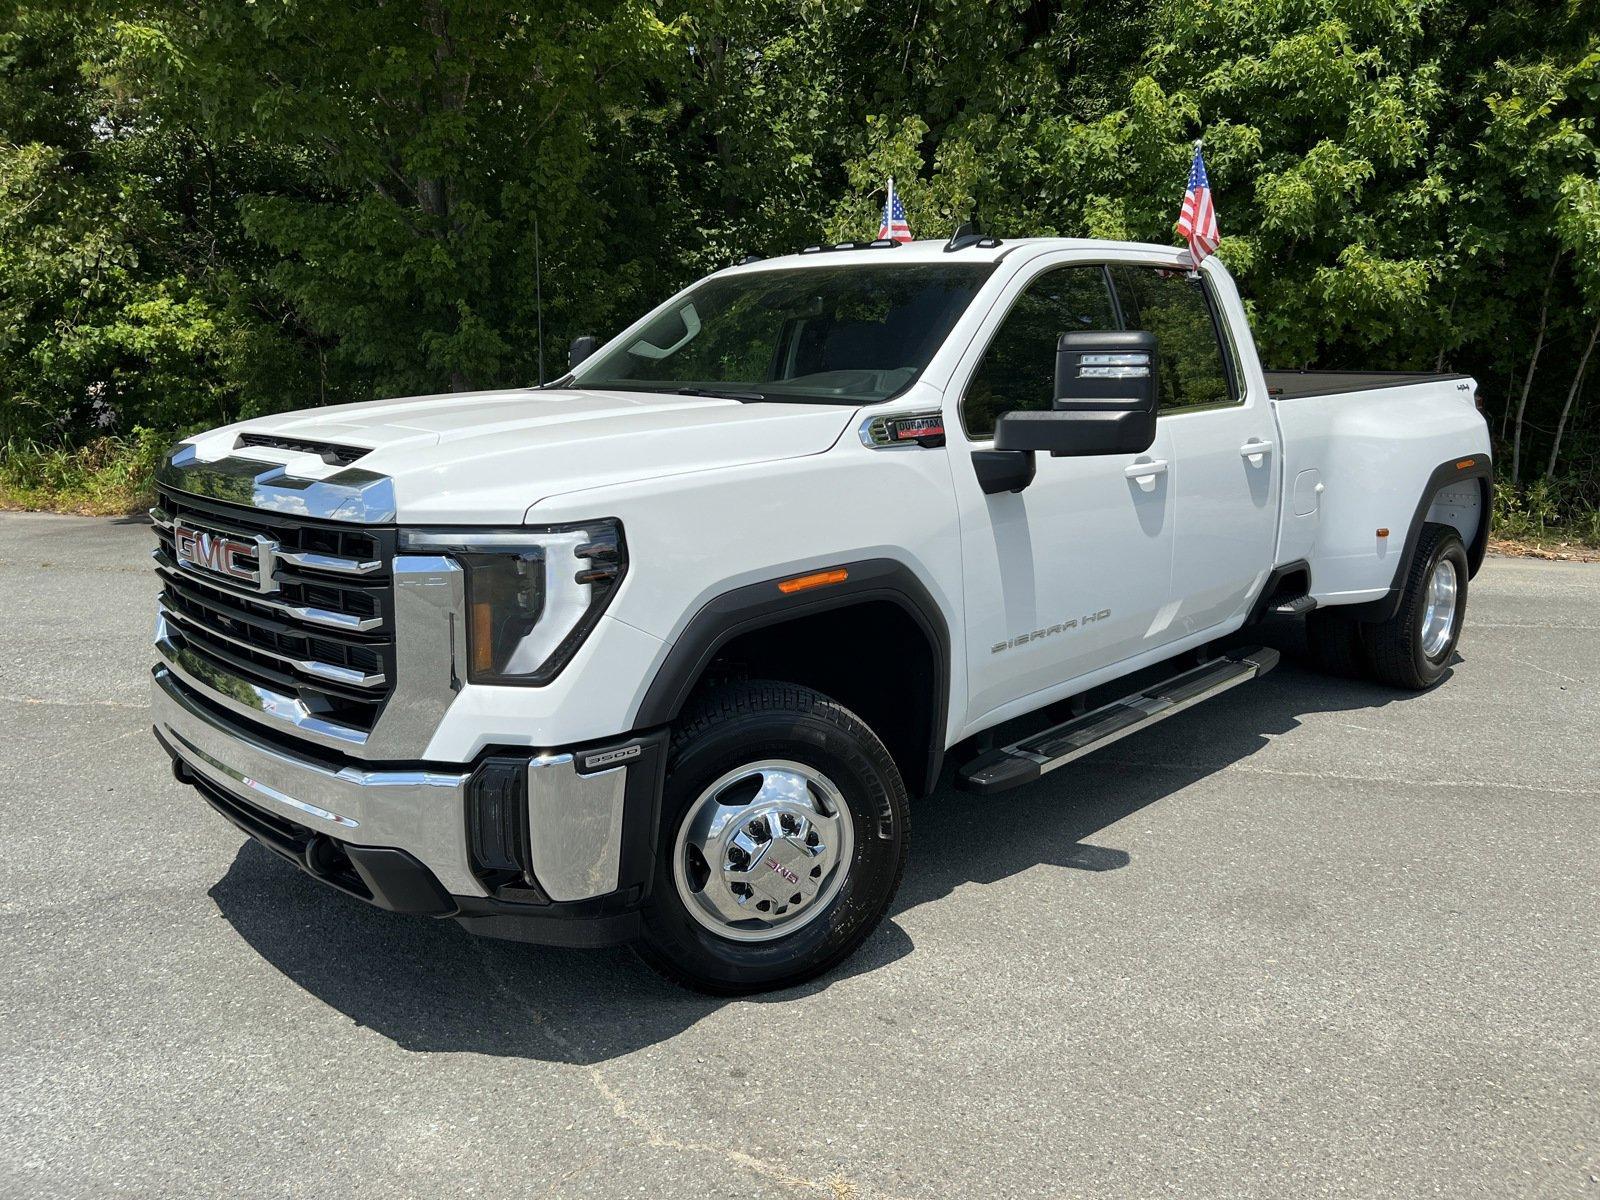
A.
pixel 783 871
pixel 248 562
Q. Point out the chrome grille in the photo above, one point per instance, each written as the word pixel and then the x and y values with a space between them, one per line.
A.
pixel 324 636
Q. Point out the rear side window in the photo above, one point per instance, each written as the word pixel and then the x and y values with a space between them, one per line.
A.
pixel 1174 306
pixel 1018 370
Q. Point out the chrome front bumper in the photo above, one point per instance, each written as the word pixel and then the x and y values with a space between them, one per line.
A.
pixel 419 811
pixel 575 818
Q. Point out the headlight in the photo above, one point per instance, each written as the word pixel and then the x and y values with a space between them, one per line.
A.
pixel 533 594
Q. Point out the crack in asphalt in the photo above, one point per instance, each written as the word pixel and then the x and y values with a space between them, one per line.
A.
pixel 74 703
pixel 1171 764
pixel 95 568
pixel 656 1138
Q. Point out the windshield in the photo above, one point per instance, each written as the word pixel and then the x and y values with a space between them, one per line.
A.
pixel 840 335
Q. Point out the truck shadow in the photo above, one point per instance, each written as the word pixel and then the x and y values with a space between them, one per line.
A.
pixel 430 987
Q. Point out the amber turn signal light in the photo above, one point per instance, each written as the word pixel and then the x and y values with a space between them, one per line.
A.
pixel 482 639
pixel 804 583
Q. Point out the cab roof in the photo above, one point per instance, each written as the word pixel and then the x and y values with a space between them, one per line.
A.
pixel 930 250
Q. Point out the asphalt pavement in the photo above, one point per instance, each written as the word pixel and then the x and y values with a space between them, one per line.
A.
pixel 1312 938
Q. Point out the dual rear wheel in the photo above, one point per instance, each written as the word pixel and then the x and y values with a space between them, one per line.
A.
pixel 1413 648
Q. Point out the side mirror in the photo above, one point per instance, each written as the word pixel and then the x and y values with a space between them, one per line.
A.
pixel 581 348
pixel 1106 396
pixel 1106 390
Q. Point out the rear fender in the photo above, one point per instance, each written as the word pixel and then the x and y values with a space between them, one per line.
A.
pixel 1458 493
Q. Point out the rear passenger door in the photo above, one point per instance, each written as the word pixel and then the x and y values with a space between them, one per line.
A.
pixel 1221 431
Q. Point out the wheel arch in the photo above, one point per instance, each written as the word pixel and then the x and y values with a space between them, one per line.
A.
pixel 828 639
pixel 1459 493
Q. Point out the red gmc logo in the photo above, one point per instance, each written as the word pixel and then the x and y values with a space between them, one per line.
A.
pixel 783 871
pixel 217 553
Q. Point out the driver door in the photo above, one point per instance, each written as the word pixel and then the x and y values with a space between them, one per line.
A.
pixel 1073 573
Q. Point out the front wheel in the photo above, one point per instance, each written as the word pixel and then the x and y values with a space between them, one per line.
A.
pixel 1412 649
pixel 785 833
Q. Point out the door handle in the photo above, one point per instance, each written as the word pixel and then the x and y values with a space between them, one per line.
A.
pixel 1145 470
pixel 1254 449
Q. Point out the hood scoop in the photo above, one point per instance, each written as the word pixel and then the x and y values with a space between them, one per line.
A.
pixel 329 452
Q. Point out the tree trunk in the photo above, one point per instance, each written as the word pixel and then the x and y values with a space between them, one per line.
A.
pixel 1449 320
pixel 1527 380
pixel 1572 395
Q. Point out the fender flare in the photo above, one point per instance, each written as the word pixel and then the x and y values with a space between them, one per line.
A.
pixel 759 605
pixel 1472 466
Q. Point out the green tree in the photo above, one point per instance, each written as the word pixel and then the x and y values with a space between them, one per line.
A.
pixel 118 302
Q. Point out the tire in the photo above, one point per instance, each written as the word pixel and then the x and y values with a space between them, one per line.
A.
pixel 787 762
pixel 1334 645
pixel 1412 650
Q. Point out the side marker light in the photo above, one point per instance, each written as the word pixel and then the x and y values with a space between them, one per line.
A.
pixel 804 583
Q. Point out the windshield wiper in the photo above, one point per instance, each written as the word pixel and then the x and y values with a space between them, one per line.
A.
pixel 716 395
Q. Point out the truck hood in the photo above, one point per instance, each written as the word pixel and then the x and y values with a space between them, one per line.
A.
pixel 488 457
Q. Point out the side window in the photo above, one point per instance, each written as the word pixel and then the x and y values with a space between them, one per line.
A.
pixel 1018 370
pixel 1173 306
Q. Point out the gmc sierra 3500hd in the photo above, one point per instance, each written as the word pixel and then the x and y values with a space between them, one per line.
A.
pixel 660 652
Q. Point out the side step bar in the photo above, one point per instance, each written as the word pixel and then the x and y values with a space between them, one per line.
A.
pixel 1024 761
pixel 1294 606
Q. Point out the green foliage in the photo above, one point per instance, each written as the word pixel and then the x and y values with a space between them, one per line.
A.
pixel 107 475
pixel 1545 511
pixel 211 209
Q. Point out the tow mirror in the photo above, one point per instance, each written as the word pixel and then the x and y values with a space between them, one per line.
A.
pixel 582 348
pixel 1106 390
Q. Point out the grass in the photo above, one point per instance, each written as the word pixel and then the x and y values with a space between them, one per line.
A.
pixel 1544 521
pixel 108 476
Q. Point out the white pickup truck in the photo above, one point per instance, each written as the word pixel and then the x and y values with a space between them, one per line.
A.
pixel 660 653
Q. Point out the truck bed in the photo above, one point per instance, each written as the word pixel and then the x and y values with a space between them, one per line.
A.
pixel 1295 385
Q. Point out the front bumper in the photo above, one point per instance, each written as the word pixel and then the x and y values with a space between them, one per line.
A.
pixel 401 837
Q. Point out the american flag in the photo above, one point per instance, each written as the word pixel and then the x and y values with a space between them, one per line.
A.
pixel 1198 220
pixel 894 226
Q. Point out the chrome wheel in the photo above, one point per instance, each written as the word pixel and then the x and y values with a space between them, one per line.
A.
pixel 763 850
pixel 1439 610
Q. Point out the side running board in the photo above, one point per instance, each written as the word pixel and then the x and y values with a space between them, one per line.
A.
pixel 1024 761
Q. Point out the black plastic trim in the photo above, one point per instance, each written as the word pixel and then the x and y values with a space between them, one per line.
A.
pixel 332 453
pixel 399 882
pixel 758 605
pixel 1258 610
pixel 1482 469
pixel 1003 470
